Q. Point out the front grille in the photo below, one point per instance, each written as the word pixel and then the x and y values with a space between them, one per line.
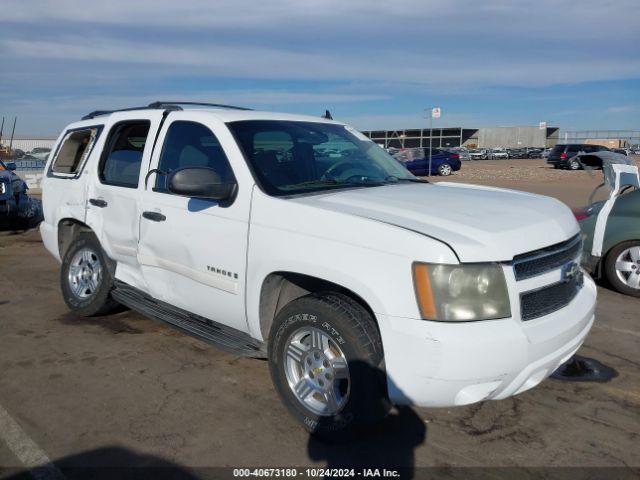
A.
pixel 546 259
pixel 546 300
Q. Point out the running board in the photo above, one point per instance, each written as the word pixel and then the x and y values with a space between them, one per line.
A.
pixel 227 338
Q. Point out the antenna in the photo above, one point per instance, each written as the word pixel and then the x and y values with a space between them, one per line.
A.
pixel 327 115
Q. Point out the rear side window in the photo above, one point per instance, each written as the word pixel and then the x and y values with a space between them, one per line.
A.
pixel 122 156
pixel 74 150
pixel 191 144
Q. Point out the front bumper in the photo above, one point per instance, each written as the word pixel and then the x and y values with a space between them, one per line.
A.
pixel 8 208
pixel 438 364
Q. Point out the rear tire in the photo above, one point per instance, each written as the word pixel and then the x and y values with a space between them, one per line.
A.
pixel 86 277
pixel 618 268
pixel 574 165
pixel 326 363
pixel 445 170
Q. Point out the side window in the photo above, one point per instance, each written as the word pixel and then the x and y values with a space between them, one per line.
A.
pixel 73 151
pixel 122 156
pixel 191 144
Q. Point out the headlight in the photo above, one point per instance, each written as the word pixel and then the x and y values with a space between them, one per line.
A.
pixel 461 293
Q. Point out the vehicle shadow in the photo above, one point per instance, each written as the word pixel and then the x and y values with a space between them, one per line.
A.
pixel 390 444
pixel 107 463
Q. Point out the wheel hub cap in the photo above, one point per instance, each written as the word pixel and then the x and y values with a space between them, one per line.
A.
pixel 85 273
pixel 628 267
pixel 317 371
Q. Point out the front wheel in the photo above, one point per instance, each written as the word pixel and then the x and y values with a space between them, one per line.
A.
pixel 325 358
pixel 445 170
pixel 622 267
pixel 86 277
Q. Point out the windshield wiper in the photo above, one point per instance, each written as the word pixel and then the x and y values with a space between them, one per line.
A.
pixel 331 182
pixel 394 179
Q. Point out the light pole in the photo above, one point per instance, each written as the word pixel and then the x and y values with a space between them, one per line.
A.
pixel 433 112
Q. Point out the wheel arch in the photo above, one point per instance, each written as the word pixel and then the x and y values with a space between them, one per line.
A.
pixel 68 229
pixel 282 287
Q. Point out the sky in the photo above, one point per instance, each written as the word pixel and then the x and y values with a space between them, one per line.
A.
pixel 373 64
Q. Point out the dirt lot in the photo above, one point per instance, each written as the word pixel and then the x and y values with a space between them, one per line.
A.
pixel 125 390
pixel 531 175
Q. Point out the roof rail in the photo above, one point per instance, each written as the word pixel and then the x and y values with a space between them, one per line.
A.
pixel 160 106
pixel 202 104
pixel 98 113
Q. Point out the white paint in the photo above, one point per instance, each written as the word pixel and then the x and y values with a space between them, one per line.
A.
pixel 26 450
pixel 364 240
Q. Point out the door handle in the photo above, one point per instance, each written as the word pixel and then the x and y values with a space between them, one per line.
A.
pixel 154 216
pixel 97 202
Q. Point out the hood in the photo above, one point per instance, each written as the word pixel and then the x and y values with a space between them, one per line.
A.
pixel 479 223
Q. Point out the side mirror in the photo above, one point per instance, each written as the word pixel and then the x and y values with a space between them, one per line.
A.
pixel 200 182
pixel 11 166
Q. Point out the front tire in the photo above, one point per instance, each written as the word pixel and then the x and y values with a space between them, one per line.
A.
pixel 86 277
pixel 326 363
pixel 622 268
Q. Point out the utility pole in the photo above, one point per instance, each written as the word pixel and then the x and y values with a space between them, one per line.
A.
pixel 12 132
pixel 1 129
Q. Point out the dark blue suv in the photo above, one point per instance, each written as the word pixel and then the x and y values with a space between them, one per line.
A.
pixel 416 160
pixel 18 211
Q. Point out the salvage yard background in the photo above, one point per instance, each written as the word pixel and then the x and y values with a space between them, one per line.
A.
pixel 124 389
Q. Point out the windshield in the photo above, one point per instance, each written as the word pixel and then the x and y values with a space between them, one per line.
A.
pixel 291 157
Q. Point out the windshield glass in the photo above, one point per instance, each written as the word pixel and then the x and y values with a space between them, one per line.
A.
pixel 291 157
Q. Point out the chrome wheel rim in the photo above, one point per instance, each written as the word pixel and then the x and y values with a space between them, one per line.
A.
pixel 317 371
pixel 445 170
pixel 85 273
pixel 628 267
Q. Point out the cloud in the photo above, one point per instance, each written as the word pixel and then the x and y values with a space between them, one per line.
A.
pixel 374 54
pixel 622 109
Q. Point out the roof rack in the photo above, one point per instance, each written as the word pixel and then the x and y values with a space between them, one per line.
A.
pixel 160 106
pixel 201 104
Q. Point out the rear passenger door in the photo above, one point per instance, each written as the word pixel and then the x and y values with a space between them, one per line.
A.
pixel 113 192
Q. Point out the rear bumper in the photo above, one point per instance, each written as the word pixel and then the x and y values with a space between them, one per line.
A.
pixel 50 239
pixel 437 364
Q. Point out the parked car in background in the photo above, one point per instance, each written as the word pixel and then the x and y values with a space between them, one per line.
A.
pixel 564 155
pixel 461 151
pixel 17 153
pixel 18 211
pixel 498 153
pixel 478 154
pixel 612 227
pixel 534 152
pixel 621 151
pixel 416 160
pixel 41 153
pixel 545 153
pixel 517 152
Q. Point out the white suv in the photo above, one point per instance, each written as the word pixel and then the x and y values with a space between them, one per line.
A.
pixel 299 240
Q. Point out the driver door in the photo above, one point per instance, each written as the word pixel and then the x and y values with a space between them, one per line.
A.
pixel 193 252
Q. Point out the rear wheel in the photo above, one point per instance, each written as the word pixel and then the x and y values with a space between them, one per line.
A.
pixel 325 357
pixel 574 165
pixel 445 170
pixel 86 277
pixel 622 267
